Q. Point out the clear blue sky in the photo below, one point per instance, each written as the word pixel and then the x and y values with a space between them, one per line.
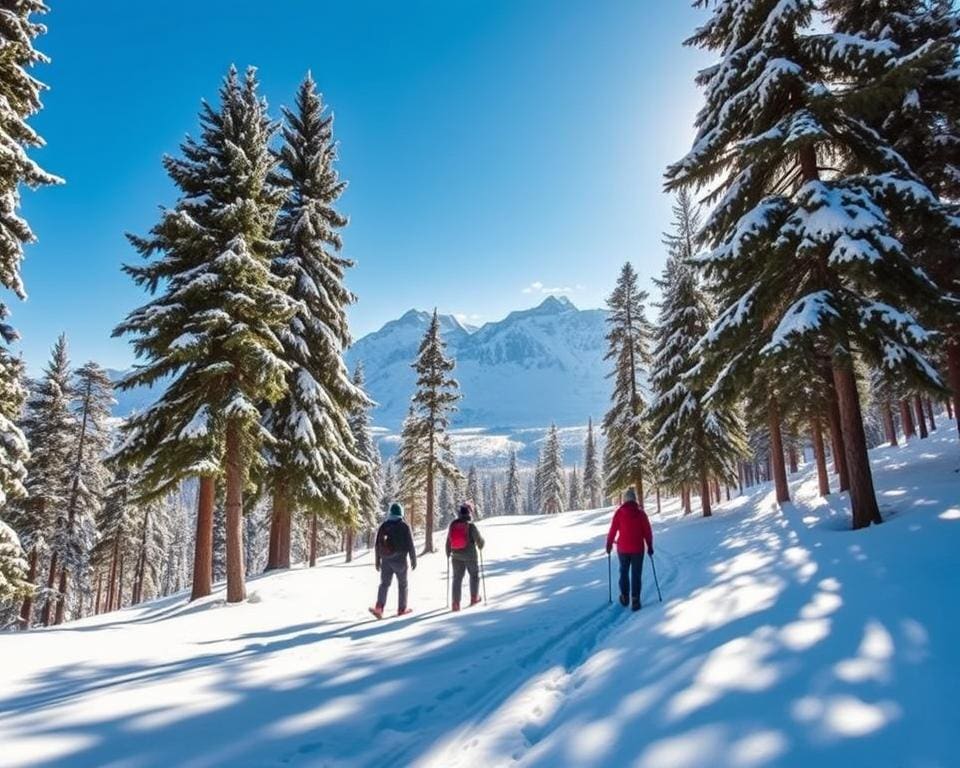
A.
pixel 495 149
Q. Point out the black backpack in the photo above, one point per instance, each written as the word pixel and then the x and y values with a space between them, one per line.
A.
pixel 385 541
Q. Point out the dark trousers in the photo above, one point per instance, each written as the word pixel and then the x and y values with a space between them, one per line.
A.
pixel 631 570
pixel 388 567
pixel 460 566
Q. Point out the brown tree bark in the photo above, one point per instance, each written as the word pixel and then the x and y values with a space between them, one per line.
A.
pixel 776 451
pixel 819 455
pixel 26 610
pixel 313 540
pixel 348 545
pixel 281 532
pixel 933 423
pixel 236 583
pixel 949 404
pixel 886 412
pixel 792 455
pixel 119 594
pixel 705 493
pixel 906 419
pixel 273 546
pixel 62 599
pixel 863 499
pixel 836 442
pixel 203 548
pixel 51 580
pixel 286 533
pixel 921 418
pixel 96 603
pixel 112 581
pixel 658 499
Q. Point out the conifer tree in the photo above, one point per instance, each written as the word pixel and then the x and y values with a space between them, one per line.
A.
pixel 75 533
pixel 390 490
pixel 474 493
pixel 21 100
pixel 512 496
pixel 433 403
pixel 314 462
pixel 592 476
pixel 50 427
pixel 16 581
pixel 804 240
pixel 492 497
pixel 576 491
pixel 215 325
pixel 551 490
pixel 445 502
pixel 115 528
pixel 624 425
pixel 366 450
pixel 693 442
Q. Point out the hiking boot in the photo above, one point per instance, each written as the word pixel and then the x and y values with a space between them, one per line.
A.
pixel 377 611
pixel 635 606
pixel 455 607
pixel 624 600
pixel 474 601
pixel 404 611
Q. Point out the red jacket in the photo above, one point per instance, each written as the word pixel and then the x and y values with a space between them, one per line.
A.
pixel 633 525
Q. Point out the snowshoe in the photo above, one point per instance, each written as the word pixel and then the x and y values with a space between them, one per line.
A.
pixel 624 600
pixel 635 606
pixel 404 612
pixel 455 607
pixel 377 611
pixel 474 601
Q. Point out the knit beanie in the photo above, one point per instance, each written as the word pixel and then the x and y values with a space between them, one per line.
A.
pixel 630 495
pixel 466 510
pixel 396 510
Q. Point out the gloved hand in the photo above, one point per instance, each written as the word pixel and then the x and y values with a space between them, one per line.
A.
pixel 377 566
pixel 650 551
pixel 609 548
pixel 413 566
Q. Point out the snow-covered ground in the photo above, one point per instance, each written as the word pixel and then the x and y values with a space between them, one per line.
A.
pixel 784 639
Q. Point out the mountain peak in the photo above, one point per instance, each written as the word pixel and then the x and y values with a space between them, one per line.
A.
pixel 556 304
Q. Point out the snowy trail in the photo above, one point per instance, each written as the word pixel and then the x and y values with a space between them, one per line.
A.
pixel 784 639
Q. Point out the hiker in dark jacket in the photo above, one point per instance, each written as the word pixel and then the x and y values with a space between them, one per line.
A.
pixel 463 543
pixel 631 529
pixel 394 543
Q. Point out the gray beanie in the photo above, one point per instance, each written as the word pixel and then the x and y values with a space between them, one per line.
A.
pixel 630 495
pixel 396 509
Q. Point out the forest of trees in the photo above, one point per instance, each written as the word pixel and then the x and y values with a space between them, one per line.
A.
pixel 807 311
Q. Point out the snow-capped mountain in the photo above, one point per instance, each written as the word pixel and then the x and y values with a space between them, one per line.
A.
pixel 534 367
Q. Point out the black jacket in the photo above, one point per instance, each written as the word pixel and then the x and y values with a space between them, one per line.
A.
pixel 394 539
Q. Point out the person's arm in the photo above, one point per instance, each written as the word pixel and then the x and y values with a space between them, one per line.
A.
pixel 447 544
pixel 614 527
pixel 477 538
pixel 648 533
pixel 412 549
pixel 376 549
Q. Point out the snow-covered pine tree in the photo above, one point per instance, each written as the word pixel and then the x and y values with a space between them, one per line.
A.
pixel 366 450
pixel 314 463
pixel 215 326
pixel 115 526
pixel 390 490
pixel 693 442
pixel 512 495
pixel 474 492
pixel 50 428
pixel 21 92
pixel 805 253
pixel 16 581
pixel 592 476
pixel 575 490
pixel 76 530
pixel 445 503
pixel 411 461
pixel 433 403
pixel 551 492
pixel 922 125
pixel 628 337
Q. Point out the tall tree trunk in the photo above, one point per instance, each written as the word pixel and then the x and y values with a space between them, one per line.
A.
pixel 933 423
pixel 792 454
pixel 921 418
pixel 836 441
pixel 953 375
pixel 203 548
pixel 428 523
pixel 819 456
pixel 313 540
pixel 906 418
pixel 236 586
pixel 705 493
pixel 96 603
pixel 51 580
pixel 863 499
pixel 886 411
pixel 281 530
pixel 348 545
pixel 26 610
pixel 658 499
pixel 286 532
pixel 112 581
pixel 62 599
pixel 776 451
pixel 119 595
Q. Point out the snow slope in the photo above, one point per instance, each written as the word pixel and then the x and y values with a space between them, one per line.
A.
pixel 784 639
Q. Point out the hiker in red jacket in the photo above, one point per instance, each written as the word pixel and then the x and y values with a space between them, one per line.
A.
pixel 463 542
pixel 631 530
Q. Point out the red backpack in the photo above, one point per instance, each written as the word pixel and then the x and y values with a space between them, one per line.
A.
pixel 459 535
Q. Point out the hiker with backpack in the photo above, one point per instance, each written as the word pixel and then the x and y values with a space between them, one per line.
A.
pixel 463 544
pixel 631 529
pixel 394 543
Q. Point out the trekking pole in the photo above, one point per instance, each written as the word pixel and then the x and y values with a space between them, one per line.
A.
pixel 483 579
pixel 448 581
pixel 609 581
pixel 655 580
